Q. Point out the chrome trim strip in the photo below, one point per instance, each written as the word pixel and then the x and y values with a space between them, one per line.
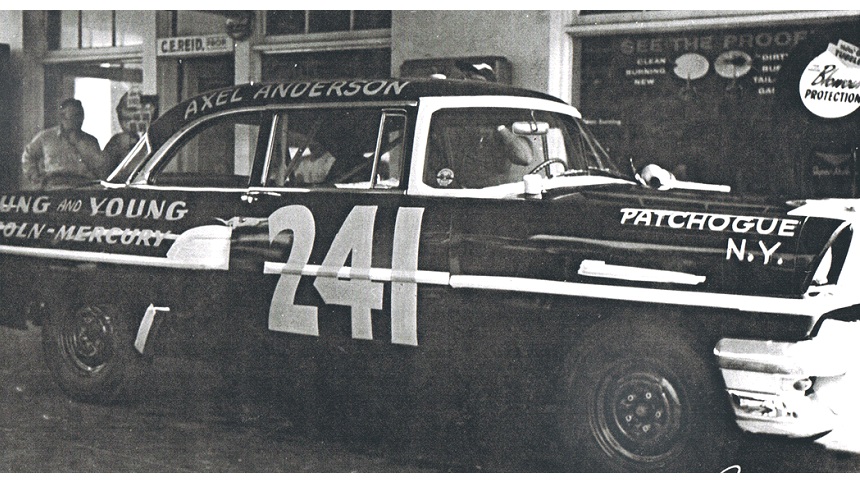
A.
pixel 110 258
pixel 626 245
pixel 372 274
pixel 601 269
pixel 812 307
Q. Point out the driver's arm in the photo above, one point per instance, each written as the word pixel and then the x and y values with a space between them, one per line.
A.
pixel 518 147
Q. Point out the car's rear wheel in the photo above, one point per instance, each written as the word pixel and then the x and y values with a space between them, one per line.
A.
pixel 638 401
pixel 90 352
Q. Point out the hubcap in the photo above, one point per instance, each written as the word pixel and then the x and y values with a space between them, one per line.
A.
pixel 86 340
pixel 638 416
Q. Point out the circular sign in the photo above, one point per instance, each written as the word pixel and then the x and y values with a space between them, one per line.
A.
pixel 445 177
pixel 733 64
pixel 829 88
pixel 691 66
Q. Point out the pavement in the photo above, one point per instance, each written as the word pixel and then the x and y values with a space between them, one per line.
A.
pixel 185 424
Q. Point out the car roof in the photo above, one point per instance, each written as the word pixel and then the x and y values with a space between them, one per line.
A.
pixel 323 92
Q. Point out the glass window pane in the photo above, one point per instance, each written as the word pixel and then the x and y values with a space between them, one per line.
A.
pixel 371 19
pixel 198 23
pixel 208 157
pixel 368 63
pixel 285 22
pixel 480 148
pixel 328 21
pixel 69 29
pixel 331 147
pixel 96 28
pixel 129 27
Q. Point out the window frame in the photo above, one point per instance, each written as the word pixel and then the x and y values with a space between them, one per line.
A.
pixel 307 25
pixel 260 180
pixel 146 176
pixel 430 105
pixel 54 29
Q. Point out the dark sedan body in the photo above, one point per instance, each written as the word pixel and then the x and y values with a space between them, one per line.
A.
pixel 442 258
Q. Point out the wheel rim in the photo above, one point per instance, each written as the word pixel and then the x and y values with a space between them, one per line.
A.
pixel 638 415
pixel 86 340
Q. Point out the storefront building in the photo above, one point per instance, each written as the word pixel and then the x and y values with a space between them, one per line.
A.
pixel 713 96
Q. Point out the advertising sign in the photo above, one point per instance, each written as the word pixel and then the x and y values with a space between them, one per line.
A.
pixel 194 45
pixel 830 85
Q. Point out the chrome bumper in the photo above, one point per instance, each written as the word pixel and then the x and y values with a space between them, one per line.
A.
pixel 787 388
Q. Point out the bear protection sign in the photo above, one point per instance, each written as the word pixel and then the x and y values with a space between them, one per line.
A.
pixel 830 85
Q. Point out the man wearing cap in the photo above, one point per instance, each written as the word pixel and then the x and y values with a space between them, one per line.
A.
pixel 63 156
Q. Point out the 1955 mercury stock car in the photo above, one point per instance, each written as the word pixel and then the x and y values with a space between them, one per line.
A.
pixel 447 264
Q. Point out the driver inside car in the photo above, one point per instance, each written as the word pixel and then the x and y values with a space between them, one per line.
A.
pixel 302 161
pixel 499 157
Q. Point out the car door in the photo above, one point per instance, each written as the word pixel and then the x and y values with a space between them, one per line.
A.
pixel 202 173
pixel 329 247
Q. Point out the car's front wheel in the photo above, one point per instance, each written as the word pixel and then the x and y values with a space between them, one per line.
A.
pixel 90 352
pixel 638 400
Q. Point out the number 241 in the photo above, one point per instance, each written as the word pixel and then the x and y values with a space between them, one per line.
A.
pixel 359 286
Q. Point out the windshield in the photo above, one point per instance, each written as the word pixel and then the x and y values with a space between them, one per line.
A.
pixel 486 147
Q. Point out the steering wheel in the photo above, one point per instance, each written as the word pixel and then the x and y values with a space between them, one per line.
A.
pixel 546 163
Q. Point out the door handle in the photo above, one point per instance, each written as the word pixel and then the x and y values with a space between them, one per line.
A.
pixel 254 196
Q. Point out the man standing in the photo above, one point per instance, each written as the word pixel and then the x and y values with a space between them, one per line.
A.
pixel 63 156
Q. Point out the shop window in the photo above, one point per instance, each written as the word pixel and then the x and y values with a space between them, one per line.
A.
pixel 328 21
pixel 717 106
pixel 96 28
pixel 129 29
pixel 366 63
pixel 371 19
pixel 285 22
pixel 86 29
pixel 292 22
pixel 189 22
pixel 67 21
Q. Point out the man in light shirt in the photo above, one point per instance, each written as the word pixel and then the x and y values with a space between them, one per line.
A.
pixel 63 156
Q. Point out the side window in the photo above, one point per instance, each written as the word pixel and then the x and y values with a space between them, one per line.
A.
pixel 218 154
pixel 336 148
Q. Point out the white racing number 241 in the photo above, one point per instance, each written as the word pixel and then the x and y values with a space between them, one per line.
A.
pixel 358 286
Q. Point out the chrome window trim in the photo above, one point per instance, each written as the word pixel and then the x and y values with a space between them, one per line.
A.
pixel 143 176
pixel 271 146
pixel 429 106
pixel 386 113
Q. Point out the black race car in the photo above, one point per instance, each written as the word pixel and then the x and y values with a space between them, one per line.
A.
pixel 444 264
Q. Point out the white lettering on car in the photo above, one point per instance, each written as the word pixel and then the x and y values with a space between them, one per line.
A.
pixel 683 220
pixel 783 227
pixel 284 315
pixel 24 204
pixel 359 286
pixel 138 208
pixel 358 292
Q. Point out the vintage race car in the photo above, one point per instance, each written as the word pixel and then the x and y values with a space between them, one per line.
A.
pixel 444 264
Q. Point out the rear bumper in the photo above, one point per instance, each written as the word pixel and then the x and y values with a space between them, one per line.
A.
pixel 787 388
